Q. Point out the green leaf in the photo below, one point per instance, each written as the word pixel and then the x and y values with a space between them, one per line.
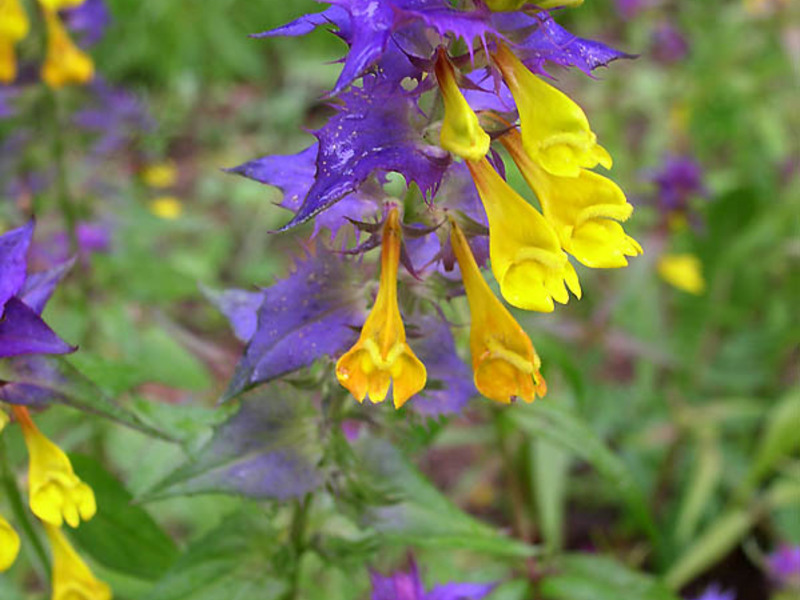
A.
pixel 230 563
pixel 550 469
pixel 166 361
pixel 593 577
pixel 415 513
pixel 122 536
pixel 780 438
pixel 700 487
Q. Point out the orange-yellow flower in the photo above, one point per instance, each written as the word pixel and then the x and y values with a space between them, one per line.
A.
pixel 9 545
pixel 381 356
pixel 72 579
pixel 461 132
pixel 584 211
pixel 555 130
pixel 504 361
pixel 14 27
pixel 64 62
pixel 56 493
pixel 525 253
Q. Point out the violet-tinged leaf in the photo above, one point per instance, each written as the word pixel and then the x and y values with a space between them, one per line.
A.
pixel 22 331
pixel 371 132
pixel 13 261
pixel 461 591
pixel 240 307
pixel 39 287
pixel 308 23
pixel 312 313
pixel 269 449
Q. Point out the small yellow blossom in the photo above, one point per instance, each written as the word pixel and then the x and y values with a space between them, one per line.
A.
pixel 166 207
pixel 9 545
pixel 64 63
pixel 683 271
pixel 160 175
pixel 72 579
pixel 525 253
pixel 14 27
pixel 504 361
pixel 555 130
pixel 56 493
pixel 56 5
pixel 461 132
pixel 583 210
pixel 381 355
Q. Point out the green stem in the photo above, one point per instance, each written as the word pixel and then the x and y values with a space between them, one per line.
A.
pixel 9 483
pixel 297 539
pixel 65 203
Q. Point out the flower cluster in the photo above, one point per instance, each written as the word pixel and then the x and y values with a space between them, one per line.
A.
pixel 56 494
pixel 439 85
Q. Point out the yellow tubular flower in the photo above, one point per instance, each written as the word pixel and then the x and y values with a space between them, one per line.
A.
pixel 461 132
pixel 64 63
pixel 14 27
pixel 555 130
pixel 526 256
pixel 683 271
pixel 72 579
pixel 381 354
pixel 56 5
pixel 9 545
pixel 584 210
pixel 503 359
pixel 56 493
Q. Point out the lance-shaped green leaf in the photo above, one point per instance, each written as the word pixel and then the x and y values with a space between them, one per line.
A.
pixel 780 437
pixel 269 449
pixel 593 577
pixel 416 513
pixel 44 380
pixel 231 562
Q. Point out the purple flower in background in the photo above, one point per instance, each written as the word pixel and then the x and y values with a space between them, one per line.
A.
pixel 668 44
pixel 784 566
pixel 628 9
pixel 91 237
pixel 715 592
pixel 88 21
pixel 679 180
pixel 22 299
pixel 7 95
pixel 408 586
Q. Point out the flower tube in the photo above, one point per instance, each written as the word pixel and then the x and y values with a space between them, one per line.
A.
pixel 72 578
pixel 64 62
pixel 14 27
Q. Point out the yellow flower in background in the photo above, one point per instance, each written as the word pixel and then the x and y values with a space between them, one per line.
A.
pixel 72 579
pixel 166 207
pixel 583 210
pixel 64 62
pixel 56 5
pixel 9 545
pixel 555 130
pixel 683 271
pixel 381 356
pixel 524 250
pixel 3 420
pixel 504 362
pixel 461 132
pixel 14 27
pixel 160 175
pixel 56 493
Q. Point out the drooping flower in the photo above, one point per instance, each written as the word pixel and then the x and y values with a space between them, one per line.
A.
pixel 381 356
pixel 555 130
pixel 14 27
pixel 9 545
pixel 504 362
pixel 461 132
pixel 56 493
pixel 524 250
pixel 715 592
pixel 683 271
pixel 72 578
pixel 408 586
pixel 784 566
pixel 64 62
pixel 585 211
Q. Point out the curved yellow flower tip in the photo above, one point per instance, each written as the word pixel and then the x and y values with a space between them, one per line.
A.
pixel 72 579
pixel 9 545
pixel 503 359
pixel 381 355
pixel 555 130
pixel 583 210
pixel 64 63
pixel 56 493
pixel 160 175
pixel 3 420
pixel 14 27
pixel 683 271
pixel 524 250
pixel 56 5
pixel 461 132
pixel 166 207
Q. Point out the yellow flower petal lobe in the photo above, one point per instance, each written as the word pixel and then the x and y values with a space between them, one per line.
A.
pixel 64 62
pixel 72 578
pixel 9 545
